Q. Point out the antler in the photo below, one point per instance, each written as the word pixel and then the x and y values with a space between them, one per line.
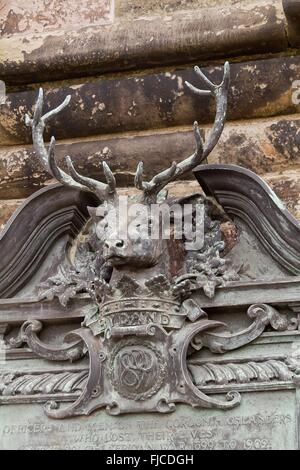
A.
pixel 203 149
pixel 47 157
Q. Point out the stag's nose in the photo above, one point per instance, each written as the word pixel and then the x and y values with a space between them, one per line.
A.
pixel 109 244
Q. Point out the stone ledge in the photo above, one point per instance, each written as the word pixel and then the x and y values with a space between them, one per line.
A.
pixel 169 39
pixel 264 146
pixel 259 88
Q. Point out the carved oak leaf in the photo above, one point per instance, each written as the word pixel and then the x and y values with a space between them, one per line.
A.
pixel 127 286
pixel 55 285
pixel 182 289
pixel 66 295
pixel 64 286
pixel 68 282
pixel 158 285
pixel 208 268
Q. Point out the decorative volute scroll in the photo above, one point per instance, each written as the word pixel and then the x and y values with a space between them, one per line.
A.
pixel 144 331
pixel 28 334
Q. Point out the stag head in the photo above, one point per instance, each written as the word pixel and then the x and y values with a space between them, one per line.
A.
pixel 117 249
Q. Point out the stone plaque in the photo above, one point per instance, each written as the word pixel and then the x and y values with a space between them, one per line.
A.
pixel 264 421
pixel 150 323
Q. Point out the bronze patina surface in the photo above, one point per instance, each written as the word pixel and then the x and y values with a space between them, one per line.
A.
pixel 158 345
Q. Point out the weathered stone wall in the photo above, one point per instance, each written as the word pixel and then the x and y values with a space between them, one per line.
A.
pixel 124 64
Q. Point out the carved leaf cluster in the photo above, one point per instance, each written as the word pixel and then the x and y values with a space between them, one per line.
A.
pixel 158 285
pixel 206 268
pixel 74 279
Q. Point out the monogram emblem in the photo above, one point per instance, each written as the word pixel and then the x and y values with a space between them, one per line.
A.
pixel 137 369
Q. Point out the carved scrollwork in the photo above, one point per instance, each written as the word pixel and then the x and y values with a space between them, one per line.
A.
pixel 93 386
pixel 265 315
pixel 190 393
pixel 262 315
pixel 28 334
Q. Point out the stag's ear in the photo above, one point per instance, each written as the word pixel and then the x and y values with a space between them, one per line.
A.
pixel 92 211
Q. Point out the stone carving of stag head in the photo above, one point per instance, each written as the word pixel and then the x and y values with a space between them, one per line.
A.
pixel 123 231
pixel 124 238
